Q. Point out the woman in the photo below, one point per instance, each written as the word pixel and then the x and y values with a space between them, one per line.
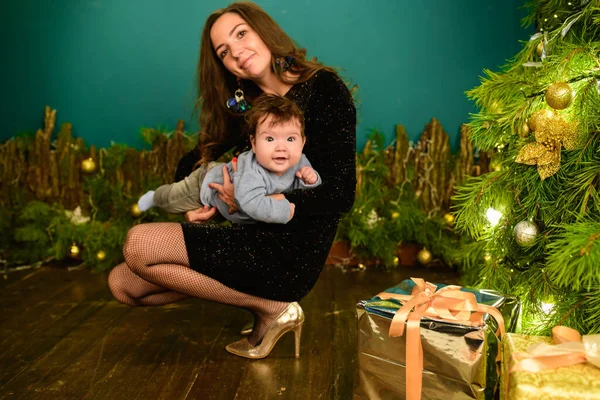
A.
pixel 265 268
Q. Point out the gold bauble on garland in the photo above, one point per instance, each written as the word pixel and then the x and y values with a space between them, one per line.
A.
pixel 424 256
pixel 559 95
pixel 101 255
pixel 74 251
pixel 135 211
pixel 396 261
pixel 540 118
pixel 448 218
pixel 395 214
pixel 88 165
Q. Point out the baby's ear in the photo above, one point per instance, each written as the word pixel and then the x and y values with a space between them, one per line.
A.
pixel 253 142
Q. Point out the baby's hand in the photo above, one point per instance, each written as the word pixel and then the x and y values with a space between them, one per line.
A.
pixel 307 174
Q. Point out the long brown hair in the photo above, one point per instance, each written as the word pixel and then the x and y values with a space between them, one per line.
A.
pixel 216 84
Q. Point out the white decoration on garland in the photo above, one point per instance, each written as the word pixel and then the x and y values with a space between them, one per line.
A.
pixel 76 217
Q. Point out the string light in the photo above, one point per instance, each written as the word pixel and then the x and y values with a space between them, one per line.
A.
pixel 493 216
pixel 547 308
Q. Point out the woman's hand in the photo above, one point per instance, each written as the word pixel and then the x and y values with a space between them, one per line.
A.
pixel 226 190
pixel 201 214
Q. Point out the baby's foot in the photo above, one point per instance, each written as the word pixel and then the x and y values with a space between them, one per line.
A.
pixel 146 201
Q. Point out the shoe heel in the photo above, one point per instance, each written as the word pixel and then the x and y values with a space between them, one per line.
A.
pixel 297 334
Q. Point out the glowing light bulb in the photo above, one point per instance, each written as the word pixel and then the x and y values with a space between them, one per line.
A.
pixel 493 216
pixel 547 307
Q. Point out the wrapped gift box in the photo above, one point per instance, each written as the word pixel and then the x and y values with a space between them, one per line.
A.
pixel 460 361
pixel 575 382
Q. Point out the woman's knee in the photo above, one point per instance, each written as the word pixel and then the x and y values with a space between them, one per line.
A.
pixel 133 248
pixel 117 283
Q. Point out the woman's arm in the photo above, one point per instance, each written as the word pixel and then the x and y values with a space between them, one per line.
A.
pixel 332 149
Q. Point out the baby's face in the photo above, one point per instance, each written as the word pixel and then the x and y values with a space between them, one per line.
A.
pixel 278 147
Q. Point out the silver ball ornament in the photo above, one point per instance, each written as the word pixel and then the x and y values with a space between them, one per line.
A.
pixel 525 233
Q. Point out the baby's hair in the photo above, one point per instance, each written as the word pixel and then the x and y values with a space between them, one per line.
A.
pixel 281 110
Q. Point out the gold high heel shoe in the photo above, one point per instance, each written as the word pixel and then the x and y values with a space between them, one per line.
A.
pixel 291 319
pixel 247 329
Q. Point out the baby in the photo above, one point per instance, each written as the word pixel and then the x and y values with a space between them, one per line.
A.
pixel 275 165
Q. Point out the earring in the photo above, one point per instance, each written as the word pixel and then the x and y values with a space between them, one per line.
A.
pixel 284 63
pixel 238 103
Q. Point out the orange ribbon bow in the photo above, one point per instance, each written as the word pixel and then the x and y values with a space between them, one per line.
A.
pixel 449 304
pixel 569 349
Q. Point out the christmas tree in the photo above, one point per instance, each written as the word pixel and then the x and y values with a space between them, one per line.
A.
pixel 536 215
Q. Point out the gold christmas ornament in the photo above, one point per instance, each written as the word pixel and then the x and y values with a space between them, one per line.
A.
pixel 448 218
pixel 88 166
pixel 540 48
pixel 396 261
pixel 101 255
pixel 541 118
pixel 559 95
pixel 525 233
pixel 395 214
pixel 524 131
pixel 74 251
pixel 550 136
pixel 361 266
pixel 135 211
pixel 424 256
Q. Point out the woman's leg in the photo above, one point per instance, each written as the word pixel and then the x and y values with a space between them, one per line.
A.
pixel 157 253
pixel 130 289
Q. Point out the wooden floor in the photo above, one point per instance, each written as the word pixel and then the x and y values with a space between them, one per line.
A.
pixel 64 337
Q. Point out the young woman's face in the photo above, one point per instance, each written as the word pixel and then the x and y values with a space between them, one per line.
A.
pixel 241 50
pixel 278 147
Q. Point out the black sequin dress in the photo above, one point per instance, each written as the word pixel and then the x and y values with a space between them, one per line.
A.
pixel 283 262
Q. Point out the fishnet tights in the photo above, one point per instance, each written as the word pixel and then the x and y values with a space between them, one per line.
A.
pixel 156 272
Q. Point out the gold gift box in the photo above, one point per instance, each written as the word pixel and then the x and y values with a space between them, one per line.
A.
pixel 460 362
pixel 576 382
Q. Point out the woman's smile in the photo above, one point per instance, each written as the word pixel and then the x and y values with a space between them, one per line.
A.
pixel 247 62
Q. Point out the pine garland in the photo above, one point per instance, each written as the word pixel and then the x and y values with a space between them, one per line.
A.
pixel 79 202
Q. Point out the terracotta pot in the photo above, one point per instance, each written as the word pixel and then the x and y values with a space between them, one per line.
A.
pixel 340 253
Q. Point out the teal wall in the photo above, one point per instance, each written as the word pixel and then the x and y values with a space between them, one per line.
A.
pixel 113 66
